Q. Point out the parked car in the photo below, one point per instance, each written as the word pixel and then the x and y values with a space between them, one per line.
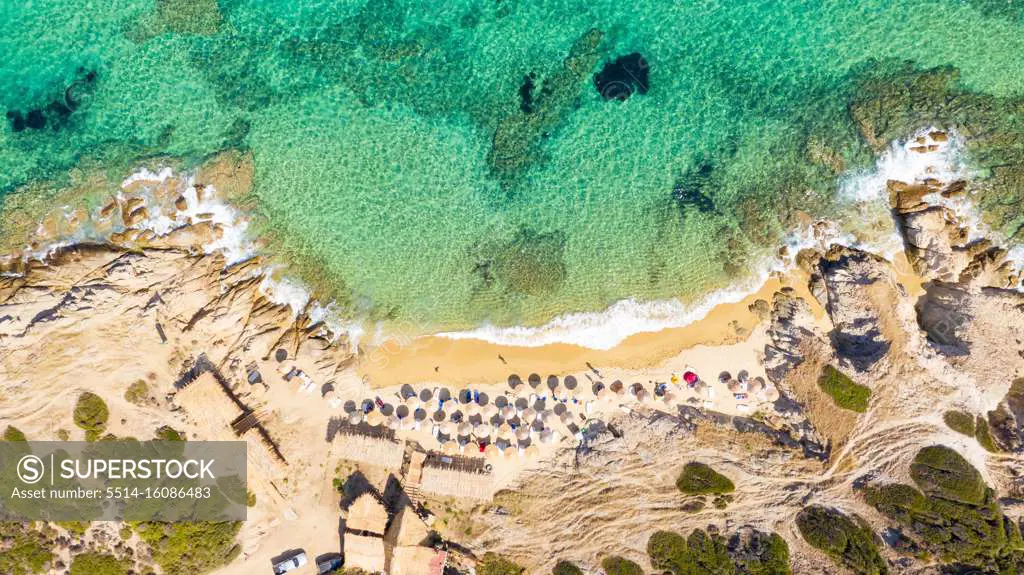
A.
pixel 290 564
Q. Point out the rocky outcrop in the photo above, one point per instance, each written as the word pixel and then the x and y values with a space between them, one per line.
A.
pixel 859 289
pixel 792 332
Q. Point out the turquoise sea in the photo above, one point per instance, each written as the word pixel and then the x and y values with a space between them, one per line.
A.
pixel 453 162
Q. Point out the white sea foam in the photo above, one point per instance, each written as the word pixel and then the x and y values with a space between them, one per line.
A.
pixel 608 328
pixel 901 163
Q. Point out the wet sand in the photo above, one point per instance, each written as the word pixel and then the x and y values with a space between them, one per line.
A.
pixel 455 362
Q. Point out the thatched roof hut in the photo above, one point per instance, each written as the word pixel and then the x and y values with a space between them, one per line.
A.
pixel 367 514
pixel 407 529
pixel 417 561
pixel 457 477
pixel 369 448
pixel 364 552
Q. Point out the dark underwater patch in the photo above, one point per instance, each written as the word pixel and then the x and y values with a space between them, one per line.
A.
pixel 691 189
pixel 57 112
pixel 618 80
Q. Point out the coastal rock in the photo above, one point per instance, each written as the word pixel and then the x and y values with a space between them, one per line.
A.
pixel 793 335
pixel 1007 419
pixel 860 288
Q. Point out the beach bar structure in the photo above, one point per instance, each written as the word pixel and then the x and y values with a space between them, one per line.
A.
pixel 365 525
pixel 456 476
pixel 371 446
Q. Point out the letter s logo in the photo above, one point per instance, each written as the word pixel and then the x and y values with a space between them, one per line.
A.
pixel 30 469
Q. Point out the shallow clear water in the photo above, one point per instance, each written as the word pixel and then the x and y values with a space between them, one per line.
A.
pixel 372 125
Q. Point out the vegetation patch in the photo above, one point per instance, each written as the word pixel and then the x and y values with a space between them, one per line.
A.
pixel 848 540
pixel 494 564
pixel 566 568
pixel 137 393
pixel 615 565
pixel 168 433
pixel 952 514
pixel 846 393
pixel 960 422
pixel 99 564
pixel 189 548
pixel 91 414
pixel 700 479
pixel 750 552
pixel 14 434
pixel 25 550
pixel 983 434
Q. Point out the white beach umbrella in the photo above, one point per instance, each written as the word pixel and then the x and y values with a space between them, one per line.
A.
pixel 523 432
pixel 413 403
pixel 393 422
pixel 771 393
pixel 567 418
pixel 374 418
pixel 507 412
pixel 524 391
pixel 450 447
pixel 465 428
pixel 472 410
pixel 488 411
pixel 505 431
pixel 356 417
pixel 483 430
pixel 448 428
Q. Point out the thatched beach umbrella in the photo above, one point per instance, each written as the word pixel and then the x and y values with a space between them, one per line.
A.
pixel 500 401
pixel 450 447
pixel 505 431
pixel 643 396
pixel 419 414
pixel 426 394
pixel 733 385
pixel 771 394
pixel 533 380
pixel 482 430
pixel 528 415
pixel 548 436
pixel 374 418
pixel 618 388
pixel 570 382
pixel 465 428
pixel 523 432
pixel 356 417
pixel 406 391
pixel 514 381
pixel 492 452
pixel 724 377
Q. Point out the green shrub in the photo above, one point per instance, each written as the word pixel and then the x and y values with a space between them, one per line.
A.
pixel 168 433
pixel 250 499
pixel 954 516
pixel 566 568
pixel 190 548
pixel 939 471
pixel 26 551
pixel 984 436
pixel 960 422
pixel 14 434
pixel 844 391
pixel 98 564
pixel 700 479
pixel 702 553
pixel 615 565
pixel 137 393
pixel 91 414
pixel 848 540
pixel 494 564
